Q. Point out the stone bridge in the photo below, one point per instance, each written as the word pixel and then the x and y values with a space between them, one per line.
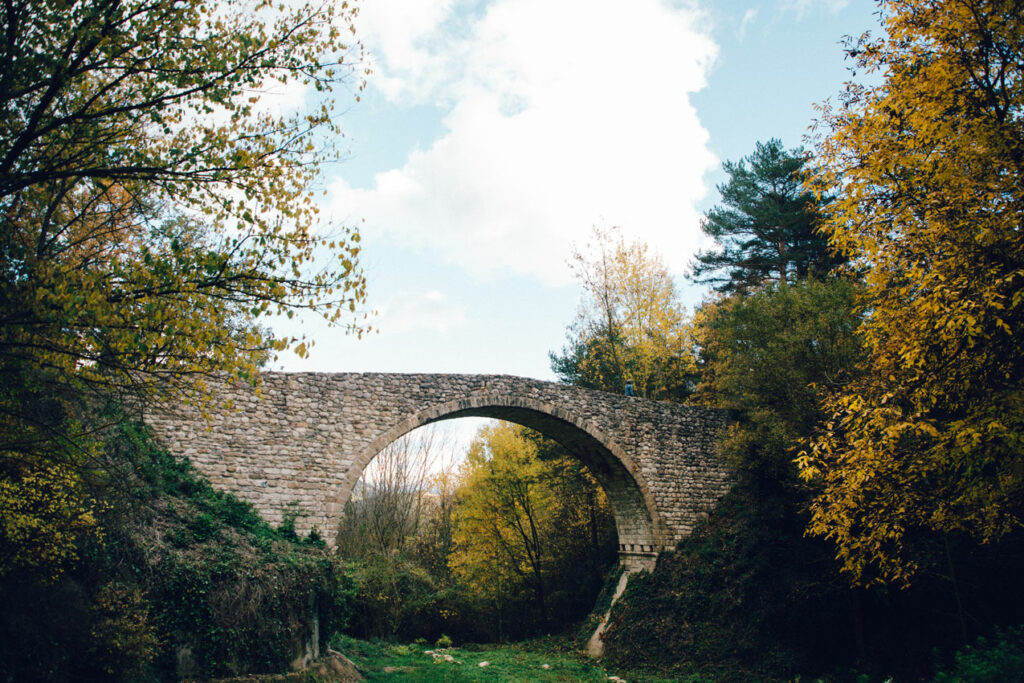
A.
pixel 302 442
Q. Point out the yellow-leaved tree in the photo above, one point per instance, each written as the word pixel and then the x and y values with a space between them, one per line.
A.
pixel 930 166
pixel 502 523
pixel 527 530
pixel 155 204
pixel 631 325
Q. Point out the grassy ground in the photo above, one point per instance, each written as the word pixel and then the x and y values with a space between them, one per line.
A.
pixel 542 660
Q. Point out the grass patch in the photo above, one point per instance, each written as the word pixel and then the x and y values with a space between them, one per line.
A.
pixel 545 659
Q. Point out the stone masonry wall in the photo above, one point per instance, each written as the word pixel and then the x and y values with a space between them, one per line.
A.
pixel 302 441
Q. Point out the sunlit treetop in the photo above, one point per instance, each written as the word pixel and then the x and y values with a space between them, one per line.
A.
pixel 155 203
pixel 630 324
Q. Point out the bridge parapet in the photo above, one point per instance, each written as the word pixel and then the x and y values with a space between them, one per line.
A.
pixel 301 443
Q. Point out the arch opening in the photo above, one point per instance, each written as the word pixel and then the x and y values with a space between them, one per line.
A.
pixel 641 533
pixel 508 536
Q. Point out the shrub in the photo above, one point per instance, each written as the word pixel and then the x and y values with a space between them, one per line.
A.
pixel 124 639
pixel 989 662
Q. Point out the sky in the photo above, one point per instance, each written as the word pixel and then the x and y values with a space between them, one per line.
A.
pixel 492 135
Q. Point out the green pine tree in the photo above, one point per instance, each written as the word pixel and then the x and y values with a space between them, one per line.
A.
pixel 765 226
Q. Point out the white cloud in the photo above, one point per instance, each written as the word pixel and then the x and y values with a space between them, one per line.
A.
pixel 561 115
pixel 408 39
pixel 411 311
pixel 280 99
pixel 748 18
pixel 802 7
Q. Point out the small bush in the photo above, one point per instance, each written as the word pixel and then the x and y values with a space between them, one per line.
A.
pixel 203 527
pixel 989 662
pixel 124 640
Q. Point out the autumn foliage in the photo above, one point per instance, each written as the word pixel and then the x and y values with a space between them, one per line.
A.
pixel 930 162
pixel 531 533
pixel 630 324
pixel 155 210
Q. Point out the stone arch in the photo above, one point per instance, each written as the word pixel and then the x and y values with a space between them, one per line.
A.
pixel 302 441
pixel 641 531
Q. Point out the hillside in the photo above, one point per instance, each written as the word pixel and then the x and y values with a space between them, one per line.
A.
pixel 185 582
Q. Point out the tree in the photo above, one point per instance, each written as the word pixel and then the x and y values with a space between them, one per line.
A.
pixel 153 210
pixel 769 358
pixel 748 595
pixel 392 533
pixel 393 496
pixel 500 534
pixel 526 525
pixel 931 163
pixel 630 324
pixel 766 228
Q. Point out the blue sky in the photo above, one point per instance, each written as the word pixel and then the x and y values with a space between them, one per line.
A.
pixel 492 135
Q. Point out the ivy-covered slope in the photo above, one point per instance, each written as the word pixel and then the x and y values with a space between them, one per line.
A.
pixel 186 581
